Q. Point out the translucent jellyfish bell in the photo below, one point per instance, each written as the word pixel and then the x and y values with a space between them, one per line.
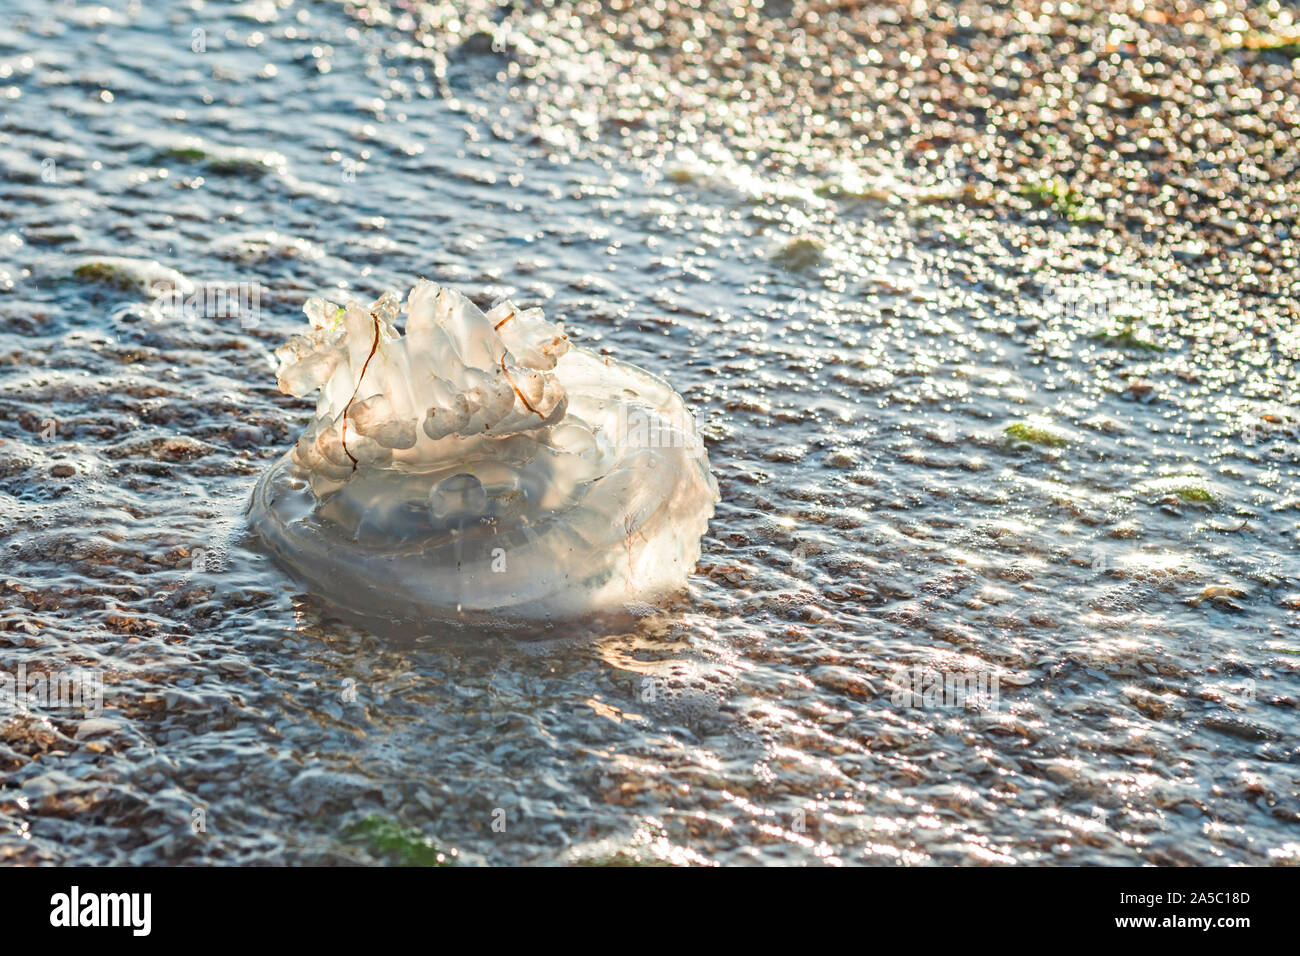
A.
pixel 479 463
pixel 460 495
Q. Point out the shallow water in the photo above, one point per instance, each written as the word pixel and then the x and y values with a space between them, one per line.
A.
pixel 1119 569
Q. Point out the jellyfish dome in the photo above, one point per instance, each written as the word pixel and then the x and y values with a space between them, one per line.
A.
pixel 479 462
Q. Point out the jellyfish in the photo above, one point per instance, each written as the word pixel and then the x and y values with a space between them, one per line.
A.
pixel 479 463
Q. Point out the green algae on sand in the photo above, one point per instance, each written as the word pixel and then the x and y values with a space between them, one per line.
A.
pixel 1189 489
pixel 400 843
pixel 1126 336
pixel 1069 204
pixel 1032 434
pixel 800 254
pixel 129 275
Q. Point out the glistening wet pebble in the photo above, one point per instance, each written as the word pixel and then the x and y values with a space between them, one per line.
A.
pixel 951 437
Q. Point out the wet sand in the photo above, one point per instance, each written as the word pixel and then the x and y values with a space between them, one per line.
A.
pixel 996 389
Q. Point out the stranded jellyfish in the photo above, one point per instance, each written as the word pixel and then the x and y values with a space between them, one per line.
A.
pixel 479 463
